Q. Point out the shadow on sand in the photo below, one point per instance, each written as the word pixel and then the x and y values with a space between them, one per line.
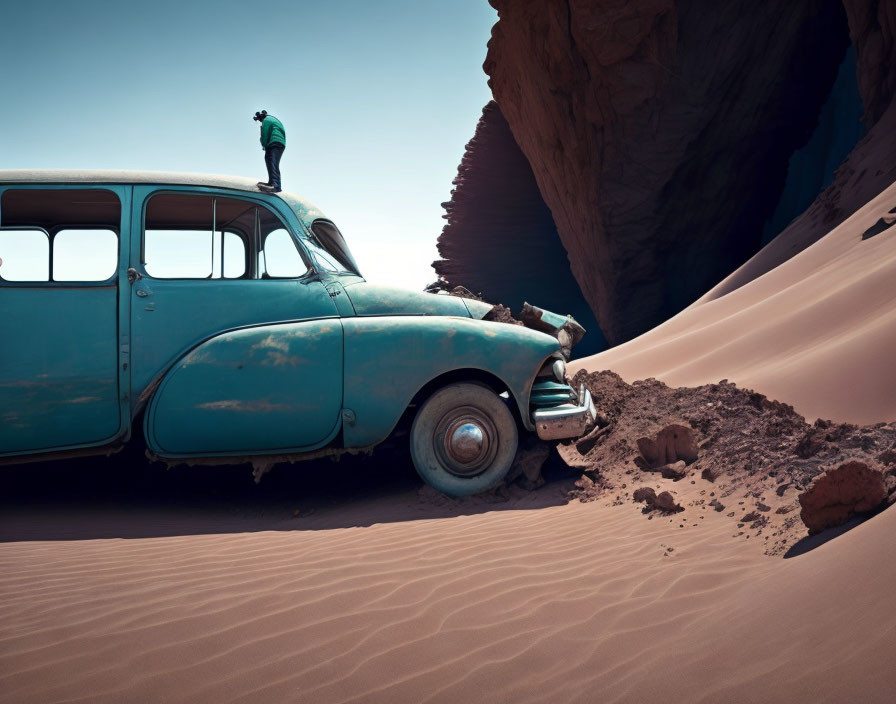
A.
pixel 125 496
pixel 810 542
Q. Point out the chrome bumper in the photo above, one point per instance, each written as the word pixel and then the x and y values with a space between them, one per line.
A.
pixel 569 420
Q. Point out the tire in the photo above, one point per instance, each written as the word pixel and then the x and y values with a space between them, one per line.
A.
pixel 484 439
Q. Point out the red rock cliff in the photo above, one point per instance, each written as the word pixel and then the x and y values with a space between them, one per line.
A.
pixel 659 133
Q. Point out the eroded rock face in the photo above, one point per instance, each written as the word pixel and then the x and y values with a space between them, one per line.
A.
pixel 872 27
pixel 500 240
pixel 869 168
pixel 839 494
pixel 659 133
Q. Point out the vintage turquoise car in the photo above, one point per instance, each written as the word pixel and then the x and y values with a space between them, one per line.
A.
pixel 234 325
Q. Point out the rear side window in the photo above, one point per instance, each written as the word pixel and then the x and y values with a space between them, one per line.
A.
pixel 189 236
pixel 24 255
pixel 61 234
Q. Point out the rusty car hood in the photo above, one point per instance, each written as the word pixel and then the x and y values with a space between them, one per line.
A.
pixel 375 299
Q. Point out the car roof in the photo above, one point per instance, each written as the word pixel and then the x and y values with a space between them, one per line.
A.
pixel 305 210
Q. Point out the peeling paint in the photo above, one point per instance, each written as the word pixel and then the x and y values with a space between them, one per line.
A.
pixel 196 357
pixel 82 399
pixel 271 342
pixel 25 384
pixel 243 406
pixel 275 359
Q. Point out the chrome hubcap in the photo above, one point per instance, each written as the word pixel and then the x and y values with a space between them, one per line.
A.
pixel 465 440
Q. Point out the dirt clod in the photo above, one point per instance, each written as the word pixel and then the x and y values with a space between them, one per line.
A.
pixel 666 502
pixel 710 474
pixel 501 314
pixel 645 493
pixel 839 494
pixel 672 443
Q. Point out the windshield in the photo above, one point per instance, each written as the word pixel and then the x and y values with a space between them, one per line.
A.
pixel 329 249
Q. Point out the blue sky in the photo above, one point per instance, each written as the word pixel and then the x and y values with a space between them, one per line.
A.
pixel 378 100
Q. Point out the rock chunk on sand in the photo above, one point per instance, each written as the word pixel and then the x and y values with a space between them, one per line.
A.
pixel 671 444
pixel 664 501
pixel 645 493
pixel 839 494
pixel 675 471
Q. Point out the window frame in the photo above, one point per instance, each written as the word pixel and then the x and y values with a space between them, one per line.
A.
pixel 315 238
pixel 252 245
pixel 123 211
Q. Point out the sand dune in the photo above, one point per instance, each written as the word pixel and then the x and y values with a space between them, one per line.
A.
pixel 583 602
pixel 818 331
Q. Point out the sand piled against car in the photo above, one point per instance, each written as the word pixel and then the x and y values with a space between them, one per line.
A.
pixel 721 448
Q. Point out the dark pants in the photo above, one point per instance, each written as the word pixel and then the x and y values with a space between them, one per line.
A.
pixel 272 160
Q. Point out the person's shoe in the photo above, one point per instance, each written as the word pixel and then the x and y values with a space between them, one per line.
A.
pixel 267 189
pixel 262 183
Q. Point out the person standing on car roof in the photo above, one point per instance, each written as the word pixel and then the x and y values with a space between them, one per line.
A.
pixel 273 141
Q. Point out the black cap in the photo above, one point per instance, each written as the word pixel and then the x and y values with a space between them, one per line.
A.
pixel 260 115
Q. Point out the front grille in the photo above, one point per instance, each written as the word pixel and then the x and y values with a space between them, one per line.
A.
pixel 550 393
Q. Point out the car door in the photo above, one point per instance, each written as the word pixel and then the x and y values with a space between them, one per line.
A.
pixel 59 349
pixel 230 328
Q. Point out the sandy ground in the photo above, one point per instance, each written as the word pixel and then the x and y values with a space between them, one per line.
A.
pixel 399 599
pixel 335 583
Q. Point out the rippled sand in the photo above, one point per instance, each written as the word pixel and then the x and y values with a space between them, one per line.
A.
pixel 578 602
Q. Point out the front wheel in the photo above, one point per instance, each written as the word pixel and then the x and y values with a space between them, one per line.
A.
pixel 463 440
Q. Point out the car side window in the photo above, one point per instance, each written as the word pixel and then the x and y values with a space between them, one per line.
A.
pixel 278 254
pixel 59 235
pixel 279 257
pixel 190 236
pixel 24 255
pixel 84 255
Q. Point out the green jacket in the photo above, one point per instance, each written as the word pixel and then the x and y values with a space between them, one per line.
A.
pixel 272 132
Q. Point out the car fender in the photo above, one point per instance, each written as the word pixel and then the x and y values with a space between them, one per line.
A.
pixel 389 359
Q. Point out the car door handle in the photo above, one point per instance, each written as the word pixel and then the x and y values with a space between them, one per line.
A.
pixel 142 293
